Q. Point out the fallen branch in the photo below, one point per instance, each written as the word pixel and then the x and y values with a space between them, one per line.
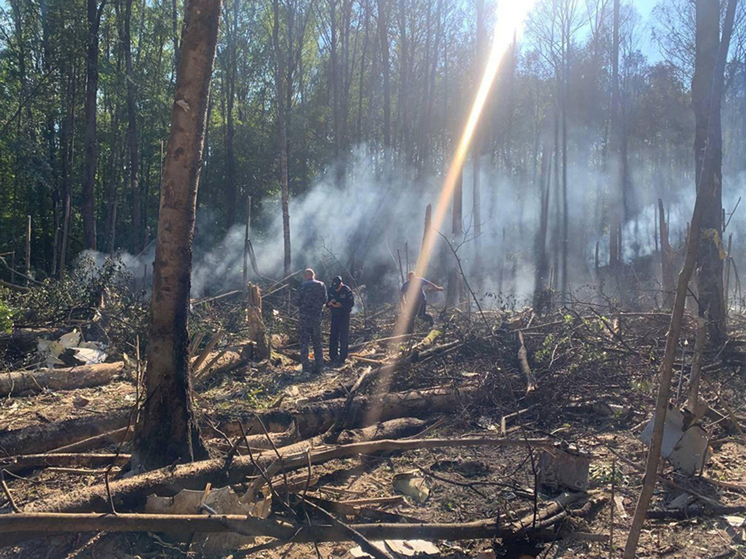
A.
pixel 523 360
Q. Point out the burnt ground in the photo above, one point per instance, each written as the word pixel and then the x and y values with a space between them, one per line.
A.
pixel 595 369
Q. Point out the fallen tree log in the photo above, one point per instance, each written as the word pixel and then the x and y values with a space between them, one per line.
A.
pixel 403 427
pixel 222 361
pixel 248 526
pixel 117 436
pixel 131 492
pixel 25 461
pixel 306 422
pixel 69 378
pixel 38 439
pixel 317 417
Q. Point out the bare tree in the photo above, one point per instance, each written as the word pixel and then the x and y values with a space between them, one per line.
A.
pixel 167 431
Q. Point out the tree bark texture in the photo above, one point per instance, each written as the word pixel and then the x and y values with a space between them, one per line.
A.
pixel 707 91
pixel 167 431
pixel 91 144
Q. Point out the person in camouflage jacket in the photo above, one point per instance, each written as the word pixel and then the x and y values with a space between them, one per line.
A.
pixel 310 299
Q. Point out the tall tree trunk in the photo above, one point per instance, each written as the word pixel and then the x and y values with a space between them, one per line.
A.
pixel 91 145
pixel 707 93
pixel 707 84
pixel 231 188
pixel 615 205
pixel 67 140
pixel 137 237
pixel 167 431
pixel 542 262
pixel 565 204
pixel 281 86
pixel 386 68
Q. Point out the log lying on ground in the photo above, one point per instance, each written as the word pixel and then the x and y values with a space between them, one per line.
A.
pixel 131 492
pixel 69 378
pixel 86 376
pixel 249 526
pixel 117 436
pixel 317 417
pixel 38 439
pixel 307 421
pixel 222 361
pixel 394 428
pixel 25 461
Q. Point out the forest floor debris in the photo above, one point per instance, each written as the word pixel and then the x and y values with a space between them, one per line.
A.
pixel 592 373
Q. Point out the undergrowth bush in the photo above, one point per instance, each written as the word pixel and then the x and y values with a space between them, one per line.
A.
pixel 96 299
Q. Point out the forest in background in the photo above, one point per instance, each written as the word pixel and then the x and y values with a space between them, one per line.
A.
pixel 353 109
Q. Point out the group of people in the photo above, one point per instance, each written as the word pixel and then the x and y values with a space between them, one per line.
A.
pixel 311 298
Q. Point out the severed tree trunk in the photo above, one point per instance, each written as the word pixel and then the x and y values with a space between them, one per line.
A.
pixel 256 330
pixel 707 93
pixel 91 144
pixel 166 431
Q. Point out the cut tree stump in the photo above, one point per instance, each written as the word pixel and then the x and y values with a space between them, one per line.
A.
pixel 257 331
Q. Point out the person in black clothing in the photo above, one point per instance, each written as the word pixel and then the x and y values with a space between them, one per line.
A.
pixel 340 301
pixel 418 292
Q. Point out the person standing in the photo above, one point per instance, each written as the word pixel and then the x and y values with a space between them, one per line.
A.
pixel 310 299
pixel 341 300
pixel 420 299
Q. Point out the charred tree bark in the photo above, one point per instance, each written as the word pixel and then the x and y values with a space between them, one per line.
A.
pixel 167 431
pixel 707 93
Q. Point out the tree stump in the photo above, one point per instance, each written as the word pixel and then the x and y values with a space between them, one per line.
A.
pixel 257 331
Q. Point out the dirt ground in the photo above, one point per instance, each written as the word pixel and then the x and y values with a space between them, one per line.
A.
pixel 577 361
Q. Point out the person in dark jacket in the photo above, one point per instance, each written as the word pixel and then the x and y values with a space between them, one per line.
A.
pixel 418 292
pixel 310 299
pixel 341 300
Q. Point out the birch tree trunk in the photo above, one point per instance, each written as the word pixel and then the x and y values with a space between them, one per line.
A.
pixel 167 431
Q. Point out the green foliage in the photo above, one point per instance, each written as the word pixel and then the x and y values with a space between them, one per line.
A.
pixel 6 317
pixel 93 296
